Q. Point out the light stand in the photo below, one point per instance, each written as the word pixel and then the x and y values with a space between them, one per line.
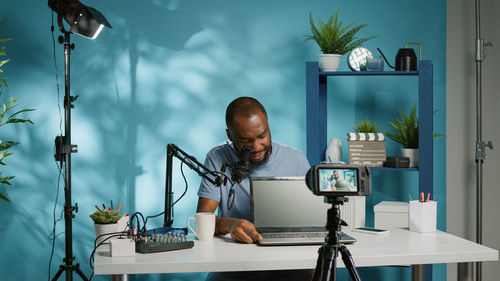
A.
pixel 64 148
pixel 480 144
pixel 326 265
pixel 87 22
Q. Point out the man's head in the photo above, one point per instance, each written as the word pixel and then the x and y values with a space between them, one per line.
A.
pixel 246 121
pixel 335 174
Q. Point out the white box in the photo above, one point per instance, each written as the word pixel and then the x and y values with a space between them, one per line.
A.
pixel 423 216
pixel 122 247
pixel 391 214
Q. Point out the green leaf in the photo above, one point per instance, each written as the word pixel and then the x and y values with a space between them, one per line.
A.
pixel 21 111
pixel 2 81
pixel 7 145
pixel 4 154
pixel 5 180
pixel 4 197
pixel 2 62
pixel 15 120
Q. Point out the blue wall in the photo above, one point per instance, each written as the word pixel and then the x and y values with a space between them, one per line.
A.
pixel 164 74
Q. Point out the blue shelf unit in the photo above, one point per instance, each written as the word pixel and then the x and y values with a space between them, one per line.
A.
pixel 316 112
pixel 316 117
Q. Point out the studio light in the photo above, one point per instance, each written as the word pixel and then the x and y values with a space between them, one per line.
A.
pixel 84 21
pixel 87 22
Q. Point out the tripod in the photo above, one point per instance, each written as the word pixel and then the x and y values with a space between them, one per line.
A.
pixel 64 148
pixel 326 265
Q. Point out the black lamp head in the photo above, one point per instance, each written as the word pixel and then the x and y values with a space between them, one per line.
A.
pixel 84 21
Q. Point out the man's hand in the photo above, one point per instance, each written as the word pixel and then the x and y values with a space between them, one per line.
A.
pixel 244 231
pixel 241 230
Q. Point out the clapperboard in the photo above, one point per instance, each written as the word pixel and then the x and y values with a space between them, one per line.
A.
pixel 366 149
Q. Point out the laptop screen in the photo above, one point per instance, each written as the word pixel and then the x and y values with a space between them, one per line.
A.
pixel 286 203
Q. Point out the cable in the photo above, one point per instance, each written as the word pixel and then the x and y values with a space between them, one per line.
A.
pixel 136 216
pixel 185 182
pixel 109 236
pixel 52 236
pixel 184 193
pixel 57 73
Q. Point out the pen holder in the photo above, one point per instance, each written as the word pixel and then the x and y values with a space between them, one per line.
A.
pixel 422 216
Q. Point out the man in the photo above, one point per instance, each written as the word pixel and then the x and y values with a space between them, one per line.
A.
pixel 246 121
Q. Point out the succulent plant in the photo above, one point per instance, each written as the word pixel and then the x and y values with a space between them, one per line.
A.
pixel 366 126
pixel 105 216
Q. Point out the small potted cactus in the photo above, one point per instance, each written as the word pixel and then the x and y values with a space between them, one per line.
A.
pixel 105 221
pixel 105 216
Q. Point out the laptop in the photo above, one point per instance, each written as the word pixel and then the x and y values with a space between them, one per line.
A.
pixel 286 212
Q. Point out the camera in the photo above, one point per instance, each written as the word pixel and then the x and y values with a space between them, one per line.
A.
pixel 334 180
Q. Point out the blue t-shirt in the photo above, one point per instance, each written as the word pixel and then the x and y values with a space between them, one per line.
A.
pixel 284 161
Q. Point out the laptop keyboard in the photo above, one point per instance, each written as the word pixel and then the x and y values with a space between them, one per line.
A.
pixel 293 235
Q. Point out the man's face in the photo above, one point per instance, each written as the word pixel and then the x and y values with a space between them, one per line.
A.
pixel 335 174
pixel 253 132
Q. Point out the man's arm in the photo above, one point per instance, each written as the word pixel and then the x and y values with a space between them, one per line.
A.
pixel 240 229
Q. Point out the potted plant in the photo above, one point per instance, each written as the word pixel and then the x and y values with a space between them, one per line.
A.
pixel 407 134
pixel 105 221
pixel 366 145
pixel 334 40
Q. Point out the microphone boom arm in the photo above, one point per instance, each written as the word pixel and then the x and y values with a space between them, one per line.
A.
pixel 174 151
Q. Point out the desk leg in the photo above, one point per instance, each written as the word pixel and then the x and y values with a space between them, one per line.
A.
pixel 122 277
pixel 465 272
pixel 418 272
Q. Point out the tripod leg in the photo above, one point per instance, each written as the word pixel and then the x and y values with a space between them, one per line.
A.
pixel 77 269
pixel 349 263
pixel 326 264
pixel 330 263
pixel 59 272
pixel 319 266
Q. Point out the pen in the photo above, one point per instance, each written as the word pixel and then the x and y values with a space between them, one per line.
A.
pixel 119 208
pixel 421 197
pixel 428 196
pixel 410 197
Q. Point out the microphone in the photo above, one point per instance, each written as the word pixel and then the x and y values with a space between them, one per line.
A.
pixel 239 171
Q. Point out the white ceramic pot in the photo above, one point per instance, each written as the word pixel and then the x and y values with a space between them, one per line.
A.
pixel 104 228
pixel 411 153
pixel 329 62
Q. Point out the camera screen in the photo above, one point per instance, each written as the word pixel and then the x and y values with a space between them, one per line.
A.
pixel 338 180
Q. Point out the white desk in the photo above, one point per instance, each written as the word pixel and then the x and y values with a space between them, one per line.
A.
pixel 399 247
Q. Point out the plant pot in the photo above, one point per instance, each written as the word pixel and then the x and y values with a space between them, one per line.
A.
pixel 411 153
pixel 104 228
pixel 329 62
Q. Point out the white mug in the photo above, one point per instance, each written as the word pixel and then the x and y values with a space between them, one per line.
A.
pixel 204 224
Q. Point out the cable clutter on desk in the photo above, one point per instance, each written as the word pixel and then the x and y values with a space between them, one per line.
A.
pixel 167 238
